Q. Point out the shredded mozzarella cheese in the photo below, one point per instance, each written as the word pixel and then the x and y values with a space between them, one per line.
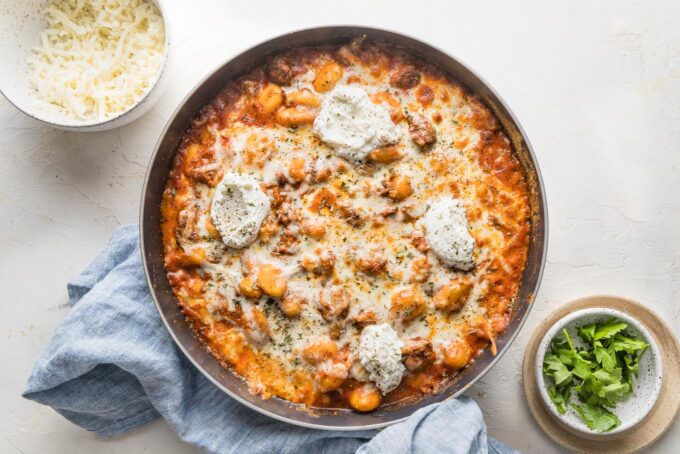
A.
pixel 97 58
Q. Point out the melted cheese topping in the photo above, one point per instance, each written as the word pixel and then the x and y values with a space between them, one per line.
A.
pixel 354 237
pixel 352 125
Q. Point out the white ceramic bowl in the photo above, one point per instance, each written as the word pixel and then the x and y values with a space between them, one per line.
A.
pixel 647 384
pixel 21 22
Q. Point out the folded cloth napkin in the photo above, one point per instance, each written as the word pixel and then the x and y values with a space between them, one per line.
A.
pixel 112 366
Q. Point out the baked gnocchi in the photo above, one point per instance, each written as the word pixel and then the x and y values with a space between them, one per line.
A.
pixel 346 227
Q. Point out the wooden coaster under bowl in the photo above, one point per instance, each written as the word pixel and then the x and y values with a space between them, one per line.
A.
pixel 648 430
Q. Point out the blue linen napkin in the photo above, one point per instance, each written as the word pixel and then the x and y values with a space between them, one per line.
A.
pixel 111 366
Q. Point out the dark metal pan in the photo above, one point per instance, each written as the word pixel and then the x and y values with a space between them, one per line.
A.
pixel 152 246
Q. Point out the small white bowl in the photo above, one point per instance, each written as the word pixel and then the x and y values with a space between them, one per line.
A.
pixel 21 22
pixel 647 384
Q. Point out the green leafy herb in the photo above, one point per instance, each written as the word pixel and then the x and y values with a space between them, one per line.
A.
pixel 608 329
pixel 559 397
pixel 587 332
pixel 628 345
pixel 596 417
pixel 600 374
pixel 603 356
pixel 556 369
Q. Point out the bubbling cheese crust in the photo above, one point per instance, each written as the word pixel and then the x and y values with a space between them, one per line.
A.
pixel 345 243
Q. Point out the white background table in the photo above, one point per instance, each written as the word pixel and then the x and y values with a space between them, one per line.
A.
pixel 596 86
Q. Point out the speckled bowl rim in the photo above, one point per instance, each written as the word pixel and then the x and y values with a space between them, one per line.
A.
pixel 554 330
pixel 86 125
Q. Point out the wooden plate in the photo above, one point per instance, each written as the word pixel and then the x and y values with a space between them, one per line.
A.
pixel 659 419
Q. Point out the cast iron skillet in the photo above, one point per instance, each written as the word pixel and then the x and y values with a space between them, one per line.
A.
pixel 152 245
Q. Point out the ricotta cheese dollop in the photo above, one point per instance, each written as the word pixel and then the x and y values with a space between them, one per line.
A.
pixel 447 233
pixel 238 209
pixel 380 354
pixel 352 125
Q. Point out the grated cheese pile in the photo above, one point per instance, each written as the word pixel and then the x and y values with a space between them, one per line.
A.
pixel 97 58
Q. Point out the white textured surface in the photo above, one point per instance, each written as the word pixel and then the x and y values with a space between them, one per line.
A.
pixel 595 84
